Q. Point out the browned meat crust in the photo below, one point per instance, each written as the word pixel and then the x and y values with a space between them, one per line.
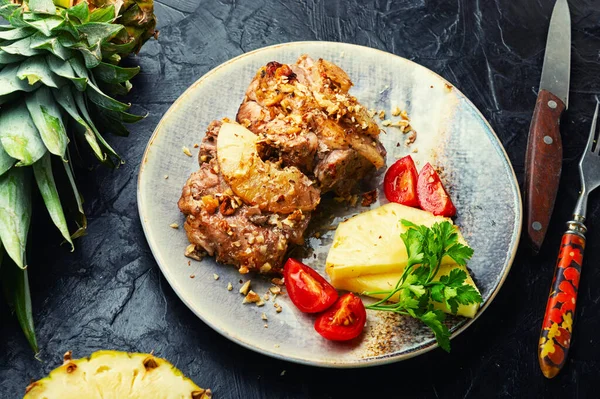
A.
pixel 236 233
pixel 307 119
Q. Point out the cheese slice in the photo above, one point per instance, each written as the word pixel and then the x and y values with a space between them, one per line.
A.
pixel 387 281
pixel 370 243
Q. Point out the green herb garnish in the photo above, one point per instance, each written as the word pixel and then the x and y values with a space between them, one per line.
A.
pixel 416 288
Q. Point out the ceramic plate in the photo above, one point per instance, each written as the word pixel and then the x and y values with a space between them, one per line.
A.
pixel 451 133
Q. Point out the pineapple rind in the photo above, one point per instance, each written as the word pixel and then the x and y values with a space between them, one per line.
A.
pixel 113 374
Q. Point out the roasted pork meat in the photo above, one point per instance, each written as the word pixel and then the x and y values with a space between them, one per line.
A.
pixel 306 118
pixel 218 222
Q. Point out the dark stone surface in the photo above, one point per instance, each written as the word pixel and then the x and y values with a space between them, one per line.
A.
pixel 110 293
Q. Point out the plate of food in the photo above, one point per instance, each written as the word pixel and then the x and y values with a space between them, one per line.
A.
pixel 330 204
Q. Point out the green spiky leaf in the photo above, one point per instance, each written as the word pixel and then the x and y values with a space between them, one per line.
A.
pixel 15 213
pixel 35 69
pixel 21 47
pixel 19 136
pixel 46 116
pixel 106 14
pixel 114 74
pixel 51 44
pixel 42 6
pixel 10 83
pixel 65 70
pixel 6 58
pixel 15 284
pixel 16 33
pixel 65 98
pixel 6 161
pixel 98 32
pixel 79 11
pixel 45 24
pixel 42 171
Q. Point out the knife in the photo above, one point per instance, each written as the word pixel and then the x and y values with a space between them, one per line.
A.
pixel 543 160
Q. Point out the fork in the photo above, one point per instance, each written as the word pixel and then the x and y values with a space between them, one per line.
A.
pixel 555 337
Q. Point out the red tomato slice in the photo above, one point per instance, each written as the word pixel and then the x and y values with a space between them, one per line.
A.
pixel 310 292
pixel 400 182
pixel 344 320
pixel 433 197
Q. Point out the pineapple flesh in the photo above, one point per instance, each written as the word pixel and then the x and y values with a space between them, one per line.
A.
pixel 114 375
pixel 367 253
pixel 258 182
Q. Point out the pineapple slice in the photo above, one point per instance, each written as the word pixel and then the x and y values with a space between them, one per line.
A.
pixel 258 182
pixel 370 242
pixel 387 281
pixel 112 375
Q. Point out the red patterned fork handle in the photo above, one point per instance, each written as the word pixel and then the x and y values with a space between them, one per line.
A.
pixel 555 338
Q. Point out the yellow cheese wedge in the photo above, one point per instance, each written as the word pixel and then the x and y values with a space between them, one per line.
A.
pixel 370 242
pixel 387 281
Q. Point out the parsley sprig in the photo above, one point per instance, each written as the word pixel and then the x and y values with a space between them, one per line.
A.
pixel 416 288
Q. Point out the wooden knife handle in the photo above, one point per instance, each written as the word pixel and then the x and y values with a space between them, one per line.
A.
pixel 543 163
pixel 555 337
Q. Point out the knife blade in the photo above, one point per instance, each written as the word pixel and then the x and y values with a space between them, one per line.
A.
pixel 543 160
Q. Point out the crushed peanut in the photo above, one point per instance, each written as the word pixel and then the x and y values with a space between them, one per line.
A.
pixel 396 111
pixel 266 297
pixel 215 276
pixel 196 145
pixel 186 151
pixel 275 290
pixel 381 114
pixel 265 268
pixel 244 270
pixel 277 281
pixel 251 297
pixel 404 115
pixel 166 177
pixel 229 286
pixel 244 289
pixel 387 122
pixel 263 316
pixel 260 302
pixel 278 308
pixel 174 226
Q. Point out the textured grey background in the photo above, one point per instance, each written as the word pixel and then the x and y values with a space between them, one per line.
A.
pixel 111 294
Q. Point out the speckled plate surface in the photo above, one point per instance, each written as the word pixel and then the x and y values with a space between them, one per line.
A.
pixel 451 133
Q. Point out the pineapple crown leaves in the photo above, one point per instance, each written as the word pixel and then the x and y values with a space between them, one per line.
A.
pixel 58 75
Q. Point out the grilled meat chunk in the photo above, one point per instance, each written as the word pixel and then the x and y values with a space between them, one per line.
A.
pixel 306 118
pixel 236 233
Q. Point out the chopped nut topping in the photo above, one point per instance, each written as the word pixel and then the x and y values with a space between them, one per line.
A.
pixel 186 151
pixel 174 226
pixel 250 239
pixel 396 111
pixel 209 203
pixel 215 276
pixel 260 239
pixel 229 287
pixel 166 177
pixel 192 275
pixel 386 122
pixel 263 249
pixel 260 302
pixel 196 145
pixel 244 289
pixel 266 325
pixel 203 158
pixel 277 281
pixel 278 308
pixel 265 268
pixel 275 290
pixel 251 297
pixel 244 270
pixel 263 316
pixel 404 115
pixel 194 253
pixel 382 114
pixel 266 297
pixel 227 207
pixel 369 198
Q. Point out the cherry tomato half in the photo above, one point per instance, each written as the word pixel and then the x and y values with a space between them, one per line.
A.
pixel 310 292
pixel 344 320
pixel 400 182
pixel 433 197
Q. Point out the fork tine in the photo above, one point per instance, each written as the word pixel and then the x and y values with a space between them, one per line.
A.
pixel 592 136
